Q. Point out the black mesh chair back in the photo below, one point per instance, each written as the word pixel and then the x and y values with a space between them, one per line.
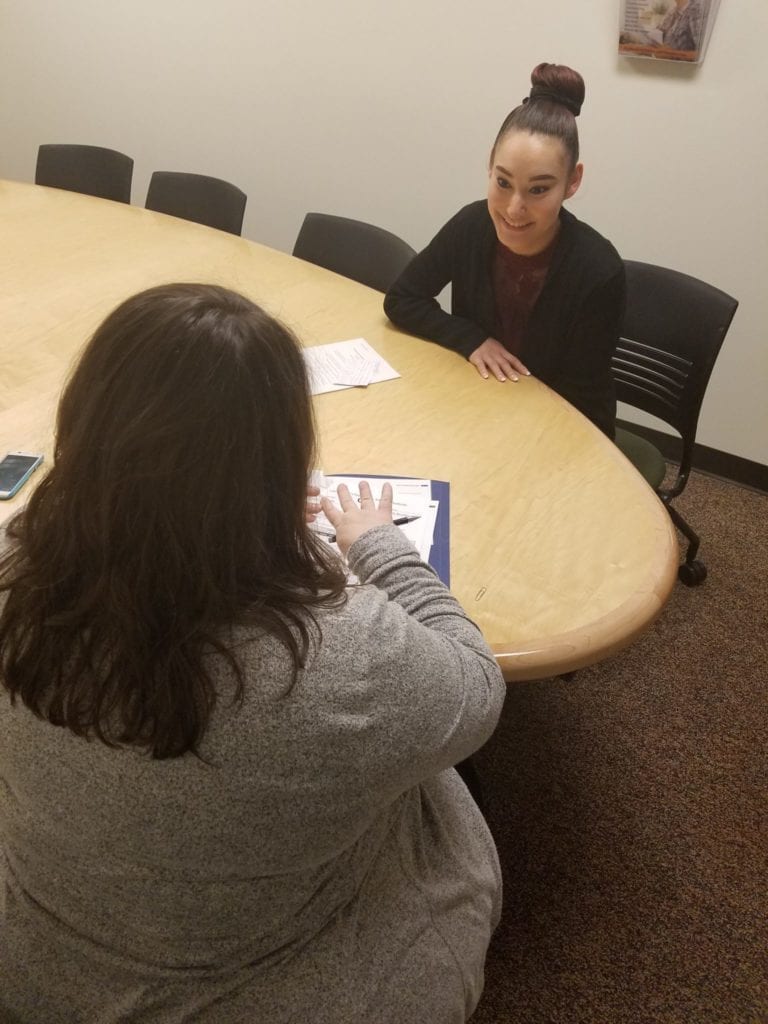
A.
pixel 359 251
pixel 199 198
pixel 93 170
pixel 673 330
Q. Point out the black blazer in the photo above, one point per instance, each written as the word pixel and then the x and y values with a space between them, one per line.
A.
pixel 572 330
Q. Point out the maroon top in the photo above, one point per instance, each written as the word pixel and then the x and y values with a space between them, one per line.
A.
pixel 517 284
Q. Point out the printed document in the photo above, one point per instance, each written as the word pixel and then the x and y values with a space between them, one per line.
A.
pixel 345 364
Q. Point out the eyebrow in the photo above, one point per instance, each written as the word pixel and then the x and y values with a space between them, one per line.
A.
pixel 535 177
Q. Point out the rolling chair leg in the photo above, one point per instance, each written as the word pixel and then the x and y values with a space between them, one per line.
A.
pixel 692 572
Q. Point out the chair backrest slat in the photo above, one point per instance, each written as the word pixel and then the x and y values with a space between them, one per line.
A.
pixel 643 372
pixel 638 391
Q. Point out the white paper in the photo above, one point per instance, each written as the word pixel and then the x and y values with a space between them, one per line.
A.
pixel 345 364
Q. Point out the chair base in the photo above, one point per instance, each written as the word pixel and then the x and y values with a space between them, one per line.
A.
pixel 649 462
pixel 692 572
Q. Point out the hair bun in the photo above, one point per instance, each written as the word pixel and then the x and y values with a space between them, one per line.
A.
pixel 557 83
pixel 555 97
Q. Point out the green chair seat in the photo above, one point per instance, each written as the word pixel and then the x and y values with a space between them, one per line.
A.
pixel 645 457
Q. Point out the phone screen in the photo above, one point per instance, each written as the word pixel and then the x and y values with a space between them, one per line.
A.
pixel 13 468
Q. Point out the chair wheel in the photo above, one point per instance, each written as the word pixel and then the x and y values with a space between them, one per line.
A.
pixel 692 573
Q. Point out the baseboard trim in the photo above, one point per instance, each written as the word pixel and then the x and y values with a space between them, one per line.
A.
pixel 706 460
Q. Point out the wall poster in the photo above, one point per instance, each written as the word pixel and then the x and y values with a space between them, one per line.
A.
pixel 666 29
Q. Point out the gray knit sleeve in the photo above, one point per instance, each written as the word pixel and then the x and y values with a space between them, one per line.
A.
pixel 422 657
pixel 384 558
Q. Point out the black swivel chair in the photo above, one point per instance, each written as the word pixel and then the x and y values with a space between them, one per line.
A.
pixel 199 198
pixel 673 329
pixel 93 170
pixel 359 251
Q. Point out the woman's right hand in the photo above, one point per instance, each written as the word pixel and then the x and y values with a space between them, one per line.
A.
pixel 352 520
pixel 492 357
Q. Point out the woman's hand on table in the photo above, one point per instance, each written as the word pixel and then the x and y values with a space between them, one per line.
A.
pixel 492 358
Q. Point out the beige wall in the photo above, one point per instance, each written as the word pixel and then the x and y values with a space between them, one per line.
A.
pixel 386 111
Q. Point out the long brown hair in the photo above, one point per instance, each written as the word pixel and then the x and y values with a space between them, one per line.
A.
pixel 174 509
pixel 551 108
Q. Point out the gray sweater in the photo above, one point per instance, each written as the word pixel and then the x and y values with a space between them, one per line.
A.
pixel 323 864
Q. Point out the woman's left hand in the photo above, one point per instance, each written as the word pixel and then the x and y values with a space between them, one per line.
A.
pixel 352 520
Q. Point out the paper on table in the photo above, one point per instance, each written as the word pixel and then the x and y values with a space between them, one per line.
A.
pixel 345 364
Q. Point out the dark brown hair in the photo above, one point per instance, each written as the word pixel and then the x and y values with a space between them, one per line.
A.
pixel 551 108
pixel 175 508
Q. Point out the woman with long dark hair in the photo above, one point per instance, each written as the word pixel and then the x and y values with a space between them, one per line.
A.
pixel 226 791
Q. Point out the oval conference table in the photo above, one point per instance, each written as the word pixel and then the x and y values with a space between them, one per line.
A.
pixel 559 550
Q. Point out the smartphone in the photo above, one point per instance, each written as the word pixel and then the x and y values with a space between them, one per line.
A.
pixel 15 470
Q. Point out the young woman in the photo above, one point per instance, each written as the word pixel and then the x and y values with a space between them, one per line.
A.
pixel 226 792
pixel 534 290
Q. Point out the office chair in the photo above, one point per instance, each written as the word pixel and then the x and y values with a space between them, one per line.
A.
pixel 360 251
pixel 93 170
pixel 199 198
pixel 673 328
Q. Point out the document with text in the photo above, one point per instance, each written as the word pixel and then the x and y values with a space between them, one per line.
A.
pixel 345 364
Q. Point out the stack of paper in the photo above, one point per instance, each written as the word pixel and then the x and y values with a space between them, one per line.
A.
pixel 412 499
pixel 345 364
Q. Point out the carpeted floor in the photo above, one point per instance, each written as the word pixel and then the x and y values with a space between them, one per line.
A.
pixel 629 809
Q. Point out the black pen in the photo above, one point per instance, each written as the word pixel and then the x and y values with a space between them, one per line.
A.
pixel 400 521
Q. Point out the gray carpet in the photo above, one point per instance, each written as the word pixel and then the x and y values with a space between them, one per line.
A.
pixel 629 809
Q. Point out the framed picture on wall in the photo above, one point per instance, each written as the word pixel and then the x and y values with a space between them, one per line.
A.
pixel 666 29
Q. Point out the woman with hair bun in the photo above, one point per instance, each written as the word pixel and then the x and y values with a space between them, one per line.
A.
pixel 534 290
pixel 226 782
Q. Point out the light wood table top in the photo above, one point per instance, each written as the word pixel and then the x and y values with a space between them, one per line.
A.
pixel 559 550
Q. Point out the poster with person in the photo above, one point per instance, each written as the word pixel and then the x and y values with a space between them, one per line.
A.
pixel 666 29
